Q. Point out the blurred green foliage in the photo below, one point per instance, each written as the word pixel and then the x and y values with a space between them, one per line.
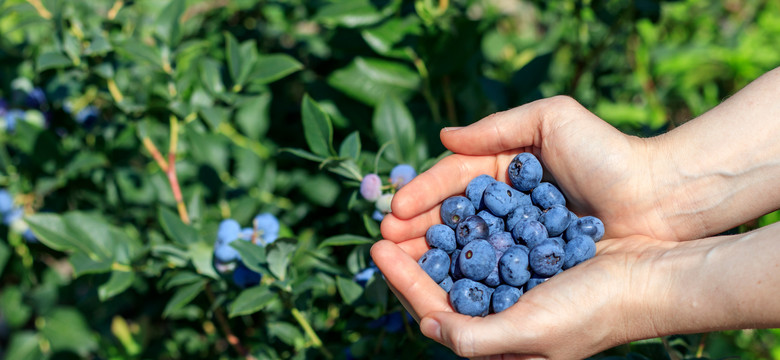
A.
pixel 240 88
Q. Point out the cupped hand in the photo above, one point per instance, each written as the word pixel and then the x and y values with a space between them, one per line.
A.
pixel 602 171
pixel 591 307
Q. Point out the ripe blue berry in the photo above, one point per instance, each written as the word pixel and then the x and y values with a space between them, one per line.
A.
pixel 244 277
pixel 477 260
pixel 525 212
pixel 476 188
pixel 590 226
pixel 555 219
pixel 547 258
pixel 495 224
pixel 267 227
pixel 501 241
pixel 577 250
pixel 455 208
pixel 471 228
pixel 529 232
pixel 446 284
pixel 441 236
pixel 436 263
pixel 525 172
pixel 513 266
pixel 469 297
pixel 501 199
pixel 6 201
pixel 504 297
pixel 546 195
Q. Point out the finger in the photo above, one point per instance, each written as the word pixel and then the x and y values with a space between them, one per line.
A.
pixel 472 336
pixel 410 281
pixel 415 247
pixel 507 130
pixel 398 230
pixel 447 178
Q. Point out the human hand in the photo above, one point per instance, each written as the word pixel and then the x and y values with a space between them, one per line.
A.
pixel 602 171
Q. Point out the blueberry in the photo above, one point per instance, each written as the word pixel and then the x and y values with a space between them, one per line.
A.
pixel 371 187
pixel 436 263
pixel 529 232
pixel 534 281
pixel 446 284
pixel 513 266
pixel 12 216
pixel 3 106
pixel 365 275
pixel 501 241
pixel 525 212
pixel 494 278
pixel 547 258
pixel 471 228
pixel 377 215
pixel 525 172
pixel 556 219
pixel 469 297
pixel 590 226
pixel 504 297
pixel 6 201
pixel 477 260
pixel 267 227
pixel 401 175
pixel 87 117
pixel 501 199
pixel 228 231
pixel 247 234
pixel 455 208
pixel 11 118
pixel 577 250
pixel 225 253
pixel 546 195
pixel 36 99
pixel 455 265
pixel 558 240
pixel 441 236
pixel 495 224
pixel 476 188
pixel 29 236
pixel 244 277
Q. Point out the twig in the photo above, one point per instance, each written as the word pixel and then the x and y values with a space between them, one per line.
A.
pixel 225 326
pixel 40 9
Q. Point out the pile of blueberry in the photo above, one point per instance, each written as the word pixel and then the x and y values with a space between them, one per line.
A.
pixel 371 188
pixel 500 240
pixel 12 214
pixel 264 231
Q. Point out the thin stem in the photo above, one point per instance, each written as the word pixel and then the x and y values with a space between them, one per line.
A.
pixel 225 326
pixel 149 145
pixel 310 332
pixel 40 9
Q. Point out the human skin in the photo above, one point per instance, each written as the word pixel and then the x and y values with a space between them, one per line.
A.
pixel 711 174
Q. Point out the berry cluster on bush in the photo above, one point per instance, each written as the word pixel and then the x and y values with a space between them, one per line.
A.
pixel 264 231
pixel 12 214
pixel 501 240
pixel 372 189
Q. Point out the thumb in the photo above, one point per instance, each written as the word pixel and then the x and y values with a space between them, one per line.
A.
pixel 470 336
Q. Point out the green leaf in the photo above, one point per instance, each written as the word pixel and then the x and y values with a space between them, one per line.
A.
pixel 84 162
pixel 140 52
pixel 350 147
pixel 393 124
pixel 67 330
pixel 303 154
pixel 5 254
pixel 117 283
pixel 93 229
pixel 252 255
pixel 83 264
pixel 182 278
pixel 321 190
pixel 384 37
pixel 272 67
pixel 211 76
pixel 24 345
pixel 346 239
pixel 52 60
pixel 168 25
pixel 286 332
pixel 233 55
pixel 251 301
pixel 13 307
pixel 183 296
pixel 252 116
pixel 279 257
pixel 53 231
pixel 349 13
pixel 371 226
pixel 202 256
pixel 349 290
pixel 176 230
pixel 215 115
pixel 372 80
pixel 317 127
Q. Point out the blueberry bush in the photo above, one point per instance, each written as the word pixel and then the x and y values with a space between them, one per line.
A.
pixel 204 178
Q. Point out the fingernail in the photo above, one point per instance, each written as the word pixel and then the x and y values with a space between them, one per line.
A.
pixel 451 128
pixel 431 328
